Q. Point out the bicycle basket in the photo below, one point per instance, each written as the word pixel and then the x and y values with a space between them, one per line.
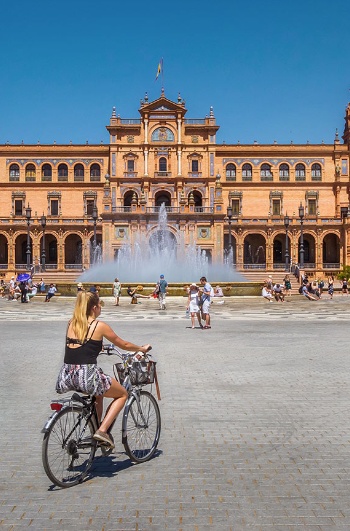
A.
pixel 140 372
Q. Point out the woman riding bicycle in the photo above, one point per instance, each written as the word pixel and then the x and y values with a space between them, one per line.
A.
pixel 80 372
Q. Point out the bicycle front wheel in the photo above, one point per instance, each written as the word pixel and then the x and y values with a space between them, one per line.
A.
pixel 68 447
pixel 141 427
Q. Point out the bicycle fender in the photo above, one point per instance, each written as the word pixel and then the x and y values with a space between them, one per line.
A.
pixel 52 417
pixel 49 421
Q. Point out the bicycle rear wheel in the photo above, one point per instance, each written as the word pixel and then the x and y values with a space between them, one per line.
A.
pixel 68 447
pixel 141 427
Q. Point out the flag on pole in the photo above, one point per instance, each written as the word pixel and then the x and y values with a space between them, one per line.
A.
pixel 160 68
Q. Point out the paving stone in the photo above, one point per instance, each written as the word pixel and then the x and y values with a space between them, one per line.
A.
pixel 255 420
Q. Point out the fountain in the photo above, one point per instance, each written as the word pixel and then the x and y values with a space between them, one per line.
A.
pixel 163 253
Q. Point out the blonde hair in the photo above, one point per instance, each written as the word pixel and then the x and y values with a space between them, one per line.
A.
pixel 83 307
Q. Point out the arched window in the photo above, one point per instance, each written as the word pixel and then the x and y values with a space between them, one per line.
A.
pixel 14 172
pixel 95 172
pixel 162 164
pixel 78 172
pixel 30 172
pixel 300 172
pixel 230 172
pixel 316 172
pixel 63 172
pixel 247 172
pixel 284 172
pixel 265 172
pixel 46 172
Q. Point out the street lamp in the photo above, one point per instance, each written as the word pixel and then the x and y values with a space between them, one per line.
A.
pixel 28 216
pixel 301 251
pixel 43 253
pixel 94 217
pixel 286 224
pixel 229 216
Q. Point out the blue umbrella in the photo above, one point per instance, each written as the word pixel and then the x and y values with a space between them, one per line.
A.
pixel 23 277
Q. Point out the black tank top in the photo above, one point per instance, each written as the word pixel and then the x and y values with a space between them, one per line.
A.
pixel 86 353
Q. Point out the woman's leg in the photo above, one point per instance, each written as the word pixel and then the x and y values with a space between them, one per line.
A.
pixel 199 319
pixel 120 395
pixel 192 319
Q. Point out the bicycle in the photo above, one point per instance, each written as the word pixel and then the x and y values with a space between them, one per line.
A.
pixel 68 447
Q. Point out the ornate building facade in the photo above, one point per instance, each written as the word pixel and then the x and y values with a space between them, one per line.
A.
pixel 59 203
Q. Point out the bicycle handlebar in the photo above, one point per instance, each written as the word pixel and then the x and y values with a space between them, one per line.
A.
pixel 112 349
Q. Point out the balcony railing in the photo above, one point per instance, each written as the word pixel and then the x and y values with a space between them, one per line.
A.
pixel 130 121
pixel 195 174
pixel 73 266
pixel 130 174
pixel 156 209
pixel 162 173
pixel 331 266
pixel 204 210
pixel 254 266
pixel 121 209
pixel 192 121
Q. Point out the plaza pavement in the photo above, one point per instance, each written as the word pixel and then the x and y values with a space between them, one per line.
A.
pixel 255 420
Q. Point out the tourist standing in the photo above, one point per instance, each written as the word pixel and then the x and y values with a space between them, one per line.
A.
pixel 331 286
pixel 205 301
pixel 287 285
pixel 344 286
pixel 117 288
pixel 163 290
pixel 193 304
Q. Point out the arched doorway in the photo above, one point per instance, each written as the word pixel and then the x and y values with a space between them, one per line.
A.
pixel 230 256
pixel 21 251
pixel 309 251
pixel 279 250
pixel 3 252
pixel 254 252
pixel 162 197
pixel 50 251
pixel 128 197
pixel 331 251
pixel 73 248
pixel 198 200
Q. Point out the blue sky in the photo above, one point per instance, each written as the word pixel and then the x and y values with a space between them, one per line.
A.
pixel 272 70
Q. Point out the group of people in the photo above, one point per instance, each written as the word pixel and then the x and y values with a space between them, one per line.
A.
pixel 25 290
pixel 198 303
pixel 277 292
pixel 312 290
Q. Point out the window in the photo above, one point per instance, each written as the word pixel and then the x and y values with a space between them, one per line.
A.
pixel 265 172
pixel 235 207
pixel 247 172
pixel 78 172
pixel 89 206
pixel 130 166
pixel 63 172
pixel 14 172
pixel 284 172
pixel 316 172
pixel 162 164
pixel 54 207
pixel 30 172
pixel 276 207
pixel 46 172
pixel 312 207
pixel 194 166
pixel 18 207
pixel 230 172
pixel 300 172
pixel 95 172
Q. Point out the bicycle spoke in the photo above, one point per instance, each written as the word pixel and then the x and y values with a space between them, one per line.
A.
pixel 68 448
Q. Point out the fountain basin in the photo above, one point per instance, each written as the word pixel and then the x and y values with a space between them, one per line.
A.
pixel 174 289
